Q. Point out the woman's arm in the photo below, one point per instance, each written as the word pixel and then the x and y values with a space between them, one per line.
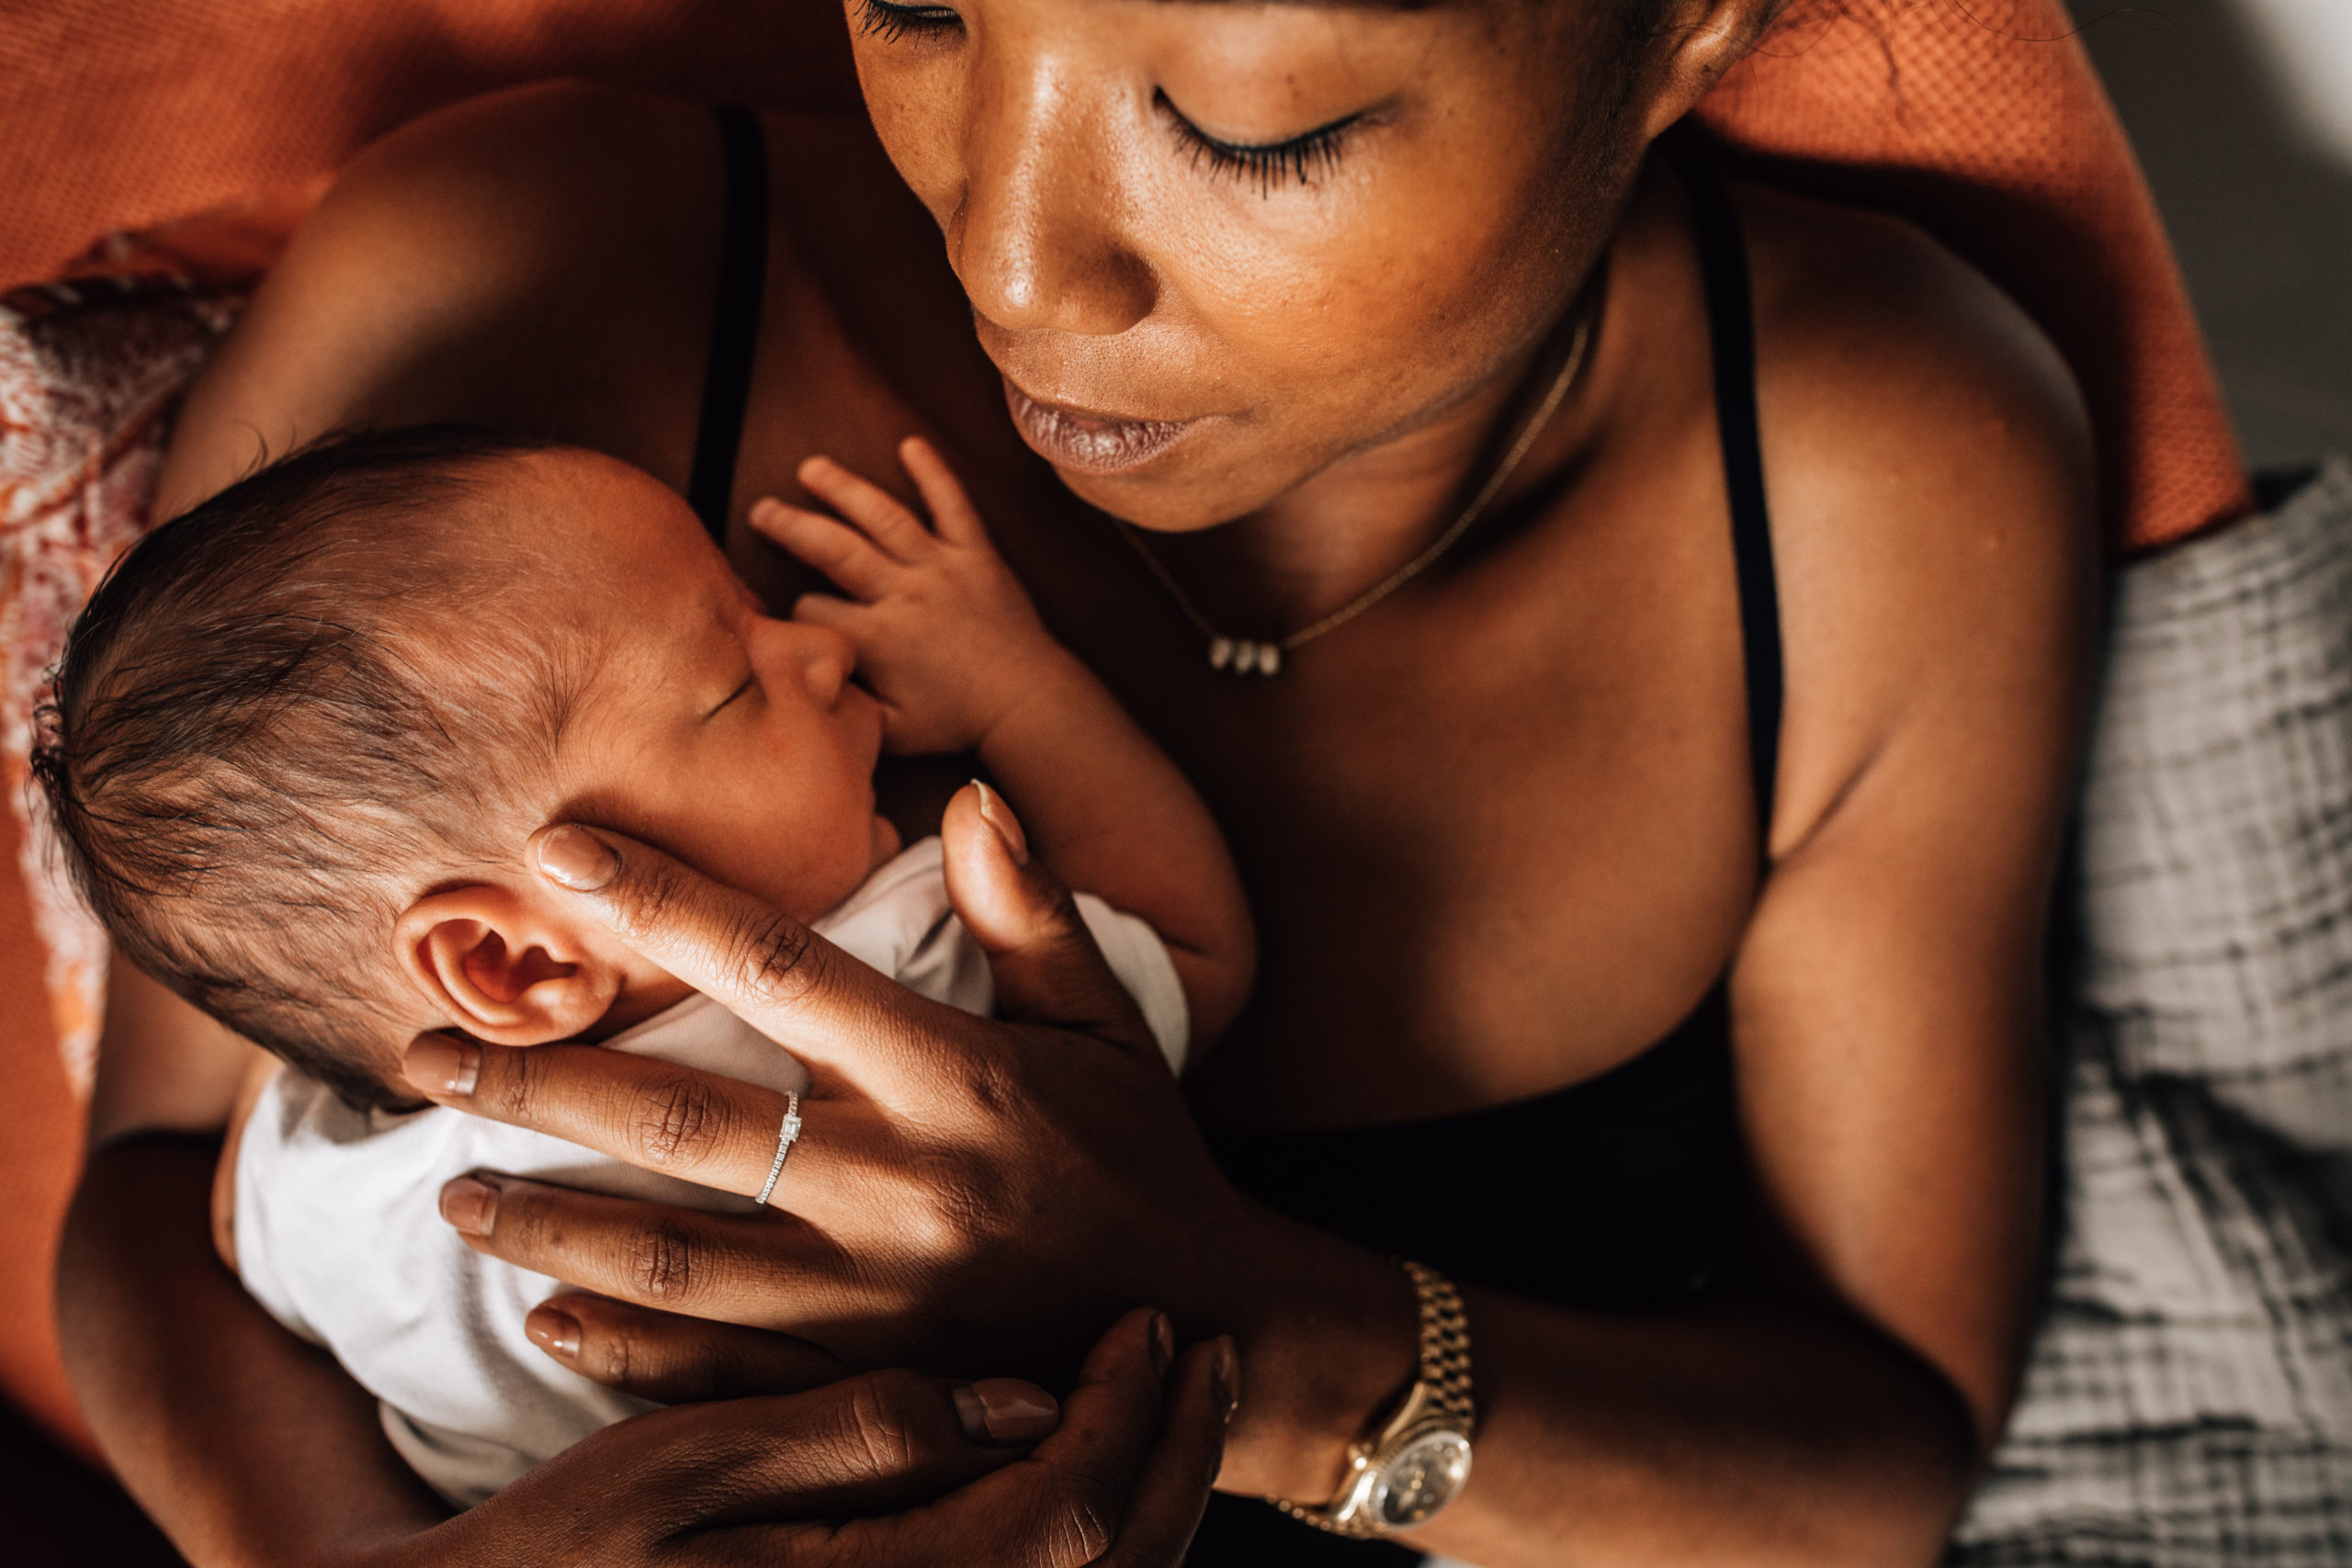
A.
pixel 244 1444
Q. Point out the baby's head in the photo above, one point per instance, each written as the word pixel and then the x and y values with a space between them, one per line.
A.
pixel 302 734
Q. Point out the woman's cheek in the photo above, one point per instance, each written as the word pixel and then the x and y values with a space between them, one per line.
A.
pixel 1364 266
pixel 912 106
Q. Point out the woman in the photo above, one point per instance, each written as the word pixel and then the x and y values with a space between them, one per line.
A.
pixel 1650 855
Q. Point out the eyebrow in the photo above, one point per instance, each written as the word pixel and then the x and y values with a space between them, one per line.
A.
pixel 732 695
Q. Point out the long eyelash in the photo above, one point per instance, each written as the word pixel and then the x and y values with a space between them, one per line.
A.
pixel 880 18
pixel 1305 159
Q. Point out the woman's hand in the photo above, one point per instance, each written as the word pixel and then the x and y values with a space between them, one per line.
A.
pixel 883 1469
pixel 968 1195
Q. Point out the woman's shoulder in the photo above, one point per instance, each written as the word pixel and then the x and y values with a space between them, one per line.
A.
pixel 1885 359
pixel 542 258
pixel 1928 463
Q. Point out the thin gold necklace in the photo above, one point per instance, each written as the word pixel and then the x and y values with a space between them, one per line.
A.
pixel 1246 656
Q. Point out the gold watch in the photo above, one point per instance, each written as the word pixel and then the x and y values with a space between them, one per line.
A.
pixel 1414 1461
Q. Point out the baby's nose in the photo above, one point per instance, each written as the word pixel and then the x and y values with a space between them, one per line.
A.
pixel 826 658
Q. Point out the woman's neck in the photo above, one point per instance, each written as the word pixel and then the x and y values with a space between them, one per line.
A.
pixel 1330 538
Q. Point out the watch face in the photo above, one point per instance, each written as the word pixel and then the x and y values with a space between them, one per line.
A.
pixel 1422 1478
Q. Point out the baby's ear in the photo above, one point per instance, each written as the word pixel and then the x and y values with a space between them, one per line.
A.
pixel 501 968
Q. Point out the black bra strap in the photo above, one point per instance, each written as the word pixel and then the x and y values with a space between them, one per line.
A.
pixel 1731 324
pixel 735 319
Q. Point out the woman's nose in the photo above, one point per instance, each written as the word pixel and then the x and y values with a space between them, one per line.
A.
pixel 1035 240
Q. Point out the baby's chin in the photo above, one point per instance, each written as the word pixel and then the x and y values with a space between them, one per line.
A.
pixel 887 842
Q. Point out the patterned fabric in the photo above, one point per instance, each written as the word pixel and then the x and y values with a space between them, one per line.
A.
pixel 89 372
pixel 2189 1400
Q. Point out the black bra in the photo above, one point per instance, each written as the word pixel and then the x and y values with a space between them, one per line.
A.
pixel 1622 1193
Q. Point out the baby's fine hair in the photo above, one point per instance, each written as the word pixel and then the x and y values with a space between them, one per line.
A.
pixel 285 714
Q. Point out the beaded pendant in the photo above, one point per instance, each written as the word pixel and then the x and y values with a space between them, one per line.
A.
pixel 1245 656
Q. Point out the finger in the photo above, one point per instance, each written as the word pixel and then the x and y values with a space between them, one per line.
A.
pixel 1172 1491
pixel 852 562
pixel 830 611
pixel 768 969
pixel 951 511
pixel 1076 1482
pixel 1049 968
pixel 690 1261
pixel 673 1360
pixel 1062 1506
pixel 878 1441
pixel 661 1116
pixel 764 1271
pixel 883 515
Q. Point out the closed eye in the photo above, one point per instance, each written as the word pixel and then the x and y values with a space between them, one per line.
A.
pixel 889 22
pixel 731 697
pixel 1305 158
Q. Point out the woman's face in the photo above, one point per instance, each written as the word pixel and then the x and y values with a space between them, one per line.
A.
pixel 1217 246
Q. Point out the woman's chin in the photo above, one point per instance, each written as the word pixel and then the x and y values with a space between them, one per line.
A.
pixel 1190 491
pixel 1164 475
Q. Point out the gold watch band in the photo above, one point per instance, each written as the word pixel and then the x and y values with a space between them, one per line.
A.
pixel 1443 1387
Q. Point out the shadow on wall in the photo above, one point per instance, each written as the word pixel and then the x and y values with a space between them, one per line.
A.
pixel 2258 201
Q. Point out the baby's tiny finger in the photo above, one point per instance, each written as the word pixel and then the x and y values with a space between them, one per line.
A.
pixel 950 508
pixel 828 610
pixel 891 523
pixel 839 551
pixel 1165 1507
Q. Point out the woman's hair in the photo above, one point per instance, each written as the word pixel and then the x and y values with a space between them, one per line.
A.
pixel 261 739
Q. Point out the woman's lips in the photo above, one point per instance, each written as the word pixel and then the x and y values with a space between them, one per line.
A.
pixel 1093 443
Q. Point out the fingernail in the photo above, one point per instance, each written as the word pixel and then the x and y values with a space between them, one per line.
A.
pixel 1006 1410
pixel 439 1065
pixel 1225 1377
pixel 1163 1343
pixel 471 1205
pixel 553 1331
pixel 576 858
pixel 1007 826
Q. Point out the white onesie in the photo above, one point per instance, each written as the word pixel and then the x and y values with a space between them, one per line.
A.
pixel 339 1233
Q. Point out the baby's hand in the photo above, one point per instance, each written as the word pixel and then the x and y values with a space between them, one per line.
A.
pixel 946 636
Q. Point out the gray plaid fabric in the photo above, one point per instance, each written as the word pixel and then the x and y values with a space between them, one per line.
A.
pixel 2189 1398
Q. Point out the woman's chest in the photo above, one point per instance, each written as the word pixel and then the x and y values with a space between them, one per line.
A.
pixel 1498 834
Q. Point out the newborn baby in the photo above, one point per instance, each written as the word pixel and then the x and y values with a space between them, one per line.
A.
pixel 302 734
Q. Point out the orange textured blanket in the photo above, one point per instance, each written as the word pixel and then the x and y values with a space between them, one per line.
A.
pixel 1982 120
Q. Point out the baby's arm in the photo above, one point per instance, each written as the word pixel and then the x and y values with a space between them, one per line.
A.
pixel 947 639
pixel 224 1173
